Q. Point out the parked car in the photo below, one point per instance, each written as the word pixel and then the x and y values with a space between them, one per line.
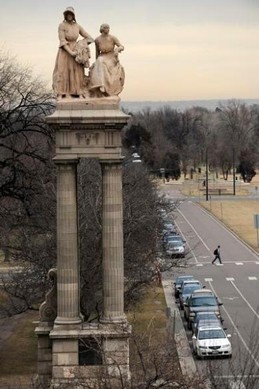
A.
pixel 211 341
pixel 168 227
pixel 207 316
pixel 175 249
pixel 203 292
pixel 178 283
pixel 206 292
pixel 200 303
pixel 191 282
pixel 170 236
pixel 188 282
pixel 187 290
pixel 173 237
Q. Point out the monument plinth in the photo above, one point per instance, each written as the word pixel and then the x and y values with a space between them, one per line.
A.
pixel 87 129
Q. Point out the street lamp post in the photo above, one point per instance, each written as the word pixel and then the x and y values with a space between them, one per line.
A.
pixel 234 172
pixel 207 175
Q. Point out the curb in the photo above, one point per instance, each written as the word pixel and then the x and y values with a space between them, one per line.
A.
pixel 184 352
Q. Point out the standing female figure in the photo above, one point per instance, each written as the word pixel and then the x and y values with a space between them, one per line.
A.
pixel 68 77
pixel 106 74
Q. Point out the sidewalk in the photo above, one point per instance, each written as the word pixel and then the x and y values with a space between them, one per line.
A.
pixel 186 361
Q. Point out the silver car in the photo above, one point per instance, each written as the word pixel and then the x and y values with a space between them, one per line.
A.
pixel 175 248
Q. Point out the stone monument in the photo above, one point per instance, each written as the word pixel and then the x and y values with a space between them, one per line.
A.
pixel 87 123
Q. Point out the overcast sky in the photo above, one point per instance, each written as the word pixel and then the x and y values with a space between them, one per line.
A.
pixel 174 49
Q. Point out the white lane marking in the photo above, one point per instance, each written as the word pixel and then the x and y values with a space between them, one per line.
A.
pixel 208 279
pixel 191 251
pixel 226 229
pixel 252 278
pixel 230 279
pixel 257 263
pixel 243 297
pixel 199 264
pixel 230 298
pixel 237 331
pixel 239 263
pixel 194 230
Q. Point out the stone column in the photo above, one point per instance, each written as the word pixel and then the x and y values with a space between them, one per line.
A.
pixel 112 241
pixel 68 309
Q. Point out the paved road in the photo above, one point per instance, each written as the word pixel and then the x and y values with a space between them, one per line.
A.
pixel 236 282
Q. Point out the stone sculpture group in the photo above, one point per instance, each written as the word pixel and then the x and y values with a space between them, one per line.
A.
pixel 105 76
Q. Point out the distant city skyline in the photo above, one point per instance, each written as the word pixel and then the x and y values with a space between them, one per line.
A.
pixel 174 49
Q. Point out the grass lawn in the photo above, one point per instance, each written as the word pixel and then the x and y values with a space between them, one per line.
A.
pixel 18 349
pixel 238 215
pixel 152 347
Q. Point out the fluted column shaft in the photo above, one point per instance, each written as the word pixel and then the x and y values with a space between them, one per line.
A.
pixel 68 311
pixel 112 241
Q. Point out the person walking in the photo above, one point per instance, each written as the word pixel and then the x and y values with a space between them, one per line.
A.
pixel 217 255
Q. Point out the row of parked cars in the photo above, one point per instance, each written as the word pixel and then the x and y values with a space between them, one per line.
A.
pixel 173 243
pixel 202 313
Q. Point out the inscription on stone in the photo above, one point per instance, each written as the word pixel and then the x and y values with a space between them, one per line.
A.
pixel 91 139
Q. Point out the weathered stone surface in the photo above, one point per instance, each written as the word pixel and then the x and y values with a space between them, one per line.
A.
pixel 87 128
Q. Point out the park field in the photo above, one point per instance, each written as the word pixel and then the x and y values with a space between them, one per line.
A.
pixel 237 215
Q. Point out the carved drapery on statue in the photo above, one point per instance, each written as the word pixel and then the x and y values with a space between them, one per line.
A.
pixel 106 75
pixel 68 77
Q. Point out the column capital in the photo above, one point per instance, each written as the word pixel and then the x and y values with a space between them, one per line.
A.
pixel 70 161
pixel 112 161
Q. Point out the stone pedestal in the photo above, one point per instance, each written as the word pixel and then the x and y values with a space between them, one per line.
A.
pixel 87 129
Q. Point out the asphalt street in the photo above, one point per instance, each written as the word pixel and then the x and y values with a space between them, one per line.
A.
pixel 235 282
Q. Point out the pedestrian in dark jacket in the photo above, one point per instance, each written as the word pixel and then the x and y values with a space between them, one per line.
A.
pixel 217 255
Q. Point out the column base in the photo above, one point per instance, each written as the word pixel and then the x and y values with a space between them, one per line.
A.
pixel 114 319
pixel 68 321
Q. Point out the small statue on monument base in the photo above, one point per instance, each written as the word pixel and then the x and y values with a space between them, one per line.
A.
pixel 69 79
pixel 106 75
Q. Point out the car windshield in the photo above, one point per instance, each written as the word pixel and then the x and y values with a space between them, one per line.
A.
pixel 181 279
pixel 188 289
pixel 211 334
pixel 209 323
pixel 205 301
pixel 175 243
pixel 174 238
